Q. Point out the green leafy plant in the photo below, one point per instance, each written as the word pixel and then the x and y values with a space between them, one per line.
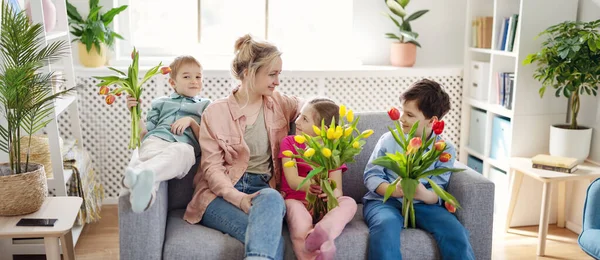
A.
pixel 95 29
pixel 26 94
pixel 405 33
pixel 569 62
pixel 413 165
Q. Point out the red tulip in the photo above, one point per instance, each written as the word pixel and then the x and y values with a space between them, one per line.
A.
pixel 118 94
pixel 394 113
pixel 440 145
pixel 104 90
pixel 438 127
pixel 165 70
pixel 110 99
pixel 445 157
pixel 449 207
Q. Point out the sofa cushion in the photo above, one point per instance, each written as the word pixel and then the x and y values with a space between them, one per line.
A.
pixel 185 241
pixel 182 190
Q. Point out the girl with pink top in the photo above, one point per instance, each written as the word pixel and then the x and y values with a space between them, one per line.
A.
pixel 312 243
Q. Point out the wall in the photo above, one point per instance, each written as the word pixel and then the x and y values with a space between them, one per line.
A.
pixel 445 20
pixel 589 115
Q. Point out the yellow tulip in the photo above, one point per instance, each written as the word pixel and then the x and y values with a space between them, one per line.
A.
pixel 331 133
pixel 342 110
pixel 348 131
pixel 367 133
pixel 317 130
pixel 289 164
pixel 326 152
pixel 310 152
pixel 338 132
pixel 299 139
pixel 356 145
pixel 287 153
pixel 350 116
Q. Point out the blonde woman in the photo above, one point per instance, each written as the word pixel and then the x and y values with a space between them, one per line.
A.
pixel 239 170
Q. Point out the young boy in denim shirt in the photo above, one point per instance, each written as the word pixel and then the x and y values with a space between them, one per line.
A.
pixel 424 101
pixel 170 138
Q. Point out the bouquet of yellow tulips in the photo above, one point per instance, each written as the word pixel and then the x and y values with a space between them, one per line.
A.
pixel 327 151
pixel 130 84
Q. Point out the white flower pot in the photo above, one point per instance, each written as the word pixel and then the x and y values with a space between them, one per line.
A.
pixel 574 143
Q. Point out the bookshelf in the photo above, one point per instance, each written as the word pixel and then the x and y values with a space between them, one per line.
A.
pixel 523 129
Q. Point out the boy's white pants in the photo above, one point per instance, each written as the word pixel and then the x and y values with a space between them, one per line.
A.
pixel 167 160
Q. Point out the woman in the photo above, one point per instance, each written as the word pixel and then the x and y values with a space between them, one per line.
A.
pixel 239 139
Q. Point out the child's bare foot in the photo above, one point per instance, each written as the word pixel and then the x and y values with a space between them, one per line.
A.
pixel 327 251
pixel 315 239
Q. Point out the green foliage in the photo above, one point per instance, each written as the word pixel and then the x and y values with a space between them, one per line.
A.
pixel 26 94
pixel 95 29
pixel 405 33
pixel 569 62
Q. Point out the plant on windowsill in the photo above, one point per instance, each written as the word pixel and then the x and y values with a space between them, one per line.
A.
pixel 93 33
pixel 404 50
pixel 27 105
pixel 569 62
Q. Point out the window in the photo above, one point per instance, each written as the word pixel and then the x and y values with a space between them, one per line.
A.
pixel 304 30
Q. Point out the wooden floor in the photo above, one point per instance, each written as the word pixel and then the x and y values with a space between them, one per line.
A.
pixel 101 241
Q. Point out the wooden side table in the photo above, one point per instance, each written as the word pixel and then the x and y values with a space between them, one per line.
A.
pixel 64 209
pixel 522 166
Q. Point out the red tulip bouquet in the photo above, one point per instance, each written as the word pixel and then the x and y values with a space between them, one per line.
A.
pixel 413 165
pixel 130 84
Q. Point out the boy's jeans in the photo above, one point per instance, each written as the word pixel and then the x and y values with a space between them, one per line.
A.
pixel 386 222
pixel 260 231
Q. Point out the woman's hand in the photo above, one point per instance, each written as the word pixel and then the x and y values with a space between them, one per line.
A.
pixel 181 124
pixel 132 102
pixel 247 202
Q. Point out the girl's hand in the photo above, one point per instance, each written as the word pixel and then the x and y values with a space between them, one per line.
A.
pixel 132 102
pixel 247 202
pixel 181 124
pixel 315 189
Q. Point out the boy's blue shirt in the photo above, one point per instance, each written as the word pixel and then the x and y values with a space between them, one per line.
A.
pixel 168 109
pixel 374 175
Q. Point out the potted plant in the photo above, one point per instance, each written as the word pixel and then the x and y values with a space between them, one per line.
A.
pixel 404 49
pixel 569 62
pixel 26 102
pixel 93 33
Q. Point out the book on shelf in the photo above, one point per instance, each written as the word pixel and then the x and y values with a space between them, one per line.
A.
pixel 554 168
pixel 505 84
pixel 555 161
pixel 507 33
pixel 481 32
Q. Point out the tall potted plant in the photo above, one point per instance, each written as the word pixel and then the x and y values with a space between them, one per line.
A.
pixel 569 62
pixel 93 33
pixel 404 49
pixel 26 102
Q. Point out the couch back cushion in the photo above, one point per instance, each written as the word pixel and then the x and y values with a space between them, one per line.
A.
pixel 353 185
pixel 182 190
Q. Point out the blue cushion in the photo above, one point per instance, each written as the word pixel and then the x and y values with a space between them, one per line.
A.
pixel 589 242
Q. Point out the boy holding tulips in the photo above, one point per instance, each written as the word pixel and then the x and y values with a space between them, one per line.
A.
pixel 424 102
pixel 170 136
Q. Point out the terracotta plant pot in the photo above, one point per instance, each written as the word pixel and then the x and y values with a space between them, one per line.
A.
pixel 403 54
pixel 92 59
pixel 22 193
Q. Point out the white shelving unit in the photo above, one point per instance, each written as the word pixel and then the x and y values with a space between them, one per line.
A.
pixel 57 184
pixel 530 117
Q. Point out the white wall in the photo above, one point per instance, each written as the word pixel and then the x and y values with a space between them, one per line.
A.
pixel 441 32
pixel 589 115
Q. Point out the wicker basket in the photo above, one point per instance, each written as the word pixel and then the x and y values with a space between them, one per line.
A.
pixel 22 193
pixel 39 152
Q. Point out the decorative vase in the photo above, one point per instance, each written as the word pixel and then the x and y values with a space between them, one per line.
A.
pixel 403 54
pixel 574 143
pixel 92 59
pixel 49 11
pixel 22 193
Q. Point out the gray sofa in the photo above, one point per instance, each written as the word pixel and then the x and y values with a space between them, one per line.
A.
pixel 161 233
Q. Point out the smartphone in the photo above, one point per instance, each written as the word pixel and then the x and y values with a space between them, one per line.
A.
pixel 37 222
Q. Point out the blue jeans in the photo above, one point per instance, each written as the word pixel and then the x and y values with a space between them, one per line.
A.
pixel 260 231
pixel 385 223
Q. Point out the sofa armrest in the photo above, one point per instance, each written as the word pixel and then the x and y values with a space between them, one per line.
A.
pixel 476 197
pixel 142 235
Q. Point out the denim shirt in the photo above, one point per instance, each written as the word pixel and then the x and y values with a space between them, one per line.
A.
pixel 168 109
pixel 374 175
